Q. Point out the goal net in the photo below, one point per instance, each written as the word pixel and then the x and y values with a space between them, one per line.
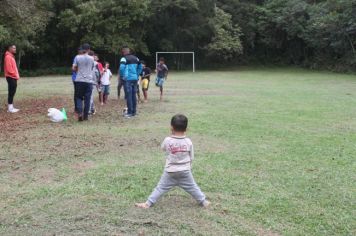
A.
pixel 178 60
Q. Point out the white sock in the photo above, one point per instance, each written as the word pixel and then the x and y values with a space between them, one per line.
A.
pixel 10 107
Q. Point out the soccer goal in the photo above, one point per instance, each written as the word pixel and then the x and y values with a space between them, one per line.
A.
pixel 191 53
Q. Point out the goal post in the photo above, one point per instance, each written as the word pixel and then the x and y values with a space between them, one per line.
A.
pixel 192 53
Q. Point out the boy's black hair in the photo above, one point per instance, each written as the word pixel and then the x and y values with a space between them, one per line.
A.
pixel 9 46
pixel 179 122
pixel 162 59
pixel 106 63
pixel 143 62
pixel 91 53
pixel 86 46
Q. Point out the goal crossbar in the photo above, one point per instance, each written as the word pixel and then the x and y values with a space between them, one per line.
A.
pixel 193 54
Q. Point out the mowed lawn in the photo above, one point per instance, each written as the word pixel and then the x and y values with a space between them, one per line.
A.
pixel 275 154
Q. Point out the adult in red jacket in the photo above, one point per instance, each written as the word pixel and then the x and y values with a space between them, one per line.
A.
pixel 12 75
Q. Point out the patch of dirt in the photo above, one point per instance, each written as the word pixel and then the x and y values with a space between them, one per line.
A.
pixel 83 165
pixel 45 176
pixel 25 173
pixel 173 214
pixel 265 232
pixel 28 118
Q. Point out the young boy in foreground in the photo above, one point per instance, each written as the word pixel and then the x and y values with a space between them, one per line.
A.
pixel 177 172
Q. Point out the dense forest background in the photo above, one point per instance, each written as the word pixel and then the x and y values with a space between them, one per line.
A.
pixel 308 33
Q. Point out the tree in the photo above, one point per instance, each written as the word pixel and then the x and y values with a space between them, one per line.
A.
pixel 331 31
pixel 225 44
pixel 22 23
pixel 106 25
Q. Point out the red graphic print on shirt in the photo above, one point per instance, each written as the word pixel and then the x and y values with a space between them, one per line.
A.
pixel 175 148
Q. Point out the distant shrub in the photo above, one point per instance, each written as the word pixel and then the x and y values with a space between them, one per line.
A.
pixel 46 71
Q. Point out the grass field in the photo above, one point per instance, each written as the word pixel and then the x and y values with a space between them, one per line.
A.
pixel 275 154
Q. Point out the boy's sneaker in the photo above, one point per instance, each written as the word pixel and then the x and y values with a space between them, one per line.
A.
pixel 205 204
pixel 142 205
pixel 80 118
pixel 128 116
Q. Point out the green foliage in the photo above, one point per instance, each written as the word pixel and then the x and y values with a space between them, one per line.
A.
pixel 180 25
pixel 22 22
pixel 318 33
pixel 4 35
pixel 226 42
pixel 46 71
pixel 106 25
pixel 332 28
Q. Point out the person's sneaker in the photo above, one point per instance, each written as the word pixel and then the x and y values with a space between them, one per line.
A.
pixel 205 204
pixel 127 116
pixel 80 118
pixel 124 111
pixel 13 110
pixel 142 205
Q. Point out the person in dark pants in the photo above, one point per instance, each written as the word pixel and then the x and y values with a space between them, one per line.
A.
pixel 121 84
pixel 74 76
pixel 121 80
pixel 84 66
pixel 12 76
pixel 130 69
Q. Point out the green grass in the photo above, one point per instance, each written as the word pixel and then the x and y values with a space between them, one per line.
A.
pixel 275 154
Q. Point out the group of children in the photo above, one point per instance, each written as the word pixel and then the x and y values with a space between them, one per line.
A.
pixel 102 76
pixel 144 82
pixel 88 74
pixel 161 76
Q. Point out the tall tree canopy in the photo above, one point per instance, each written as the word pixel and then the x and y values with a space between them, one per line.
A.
pixel 313 33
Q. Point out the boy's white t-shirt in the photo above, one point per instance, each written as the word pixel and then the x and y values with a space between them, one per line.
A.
pixel 179 153
pixel 105 79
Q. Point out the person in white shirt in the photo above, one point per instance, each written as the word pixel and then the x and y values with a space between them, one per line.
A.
pixel 177 171
pixel 105 83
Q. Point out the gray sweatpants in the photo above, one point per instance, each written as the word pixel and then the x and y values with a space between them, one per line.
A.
pixel 183 179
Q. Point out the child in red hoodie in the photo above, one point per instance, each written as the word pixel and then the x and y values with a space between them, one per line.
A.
pixel 12 75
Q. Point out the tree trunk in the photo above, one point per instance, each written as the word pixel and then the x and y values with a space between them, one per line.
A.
pixel 1 58
pixel 19 59
pixel 115 60
pixel 352 45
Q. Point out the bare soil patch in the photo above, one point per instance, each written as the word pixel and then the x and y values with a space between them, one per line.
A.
pixel 28 117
